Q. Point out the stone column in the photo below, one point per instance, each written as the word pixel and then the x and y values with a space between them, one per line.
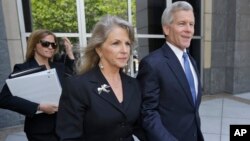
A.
pixel 11 53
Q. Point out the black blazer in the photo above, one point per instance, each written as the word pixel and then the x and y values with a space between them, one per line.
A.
pixel 169 113
pixel 35 124
pixel 86 115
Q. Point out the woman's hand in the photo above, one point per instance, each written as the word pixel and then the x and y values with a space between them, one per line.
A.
pixel 68 48
pixel 48 108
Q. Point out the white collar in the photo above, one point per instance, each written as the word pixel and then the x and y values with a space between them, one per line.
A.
pixel 178 52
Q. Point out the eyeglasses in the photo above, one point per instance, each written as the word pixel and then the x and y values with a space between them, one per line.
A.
pixel 46 44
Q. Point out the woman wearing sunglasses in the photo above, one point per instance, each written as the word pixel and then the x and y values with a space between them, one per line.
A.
pixel 40 117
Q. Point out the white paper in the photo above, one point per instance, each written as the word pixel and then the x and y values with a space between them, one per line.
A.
pixel 38 87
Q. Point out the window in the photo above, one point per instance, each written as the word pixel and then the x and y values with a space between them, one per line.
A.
pixel 75 19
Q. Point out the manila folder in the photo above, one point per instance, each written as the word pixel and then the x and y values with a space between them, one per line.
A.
pixel 37 87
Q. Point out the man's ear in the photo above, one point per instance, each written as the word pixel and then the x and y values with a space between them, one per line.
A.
pixel 165 29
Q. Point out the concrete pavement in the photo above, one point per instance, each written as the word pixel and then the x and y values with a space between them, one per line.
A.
pixel 218 112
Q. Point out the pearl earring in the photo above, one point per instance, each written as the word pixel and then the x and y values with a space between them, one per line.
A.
pixel 101 66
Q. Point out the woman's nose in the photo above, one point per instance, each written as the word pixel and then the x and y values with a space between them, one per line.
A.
pixel 125 48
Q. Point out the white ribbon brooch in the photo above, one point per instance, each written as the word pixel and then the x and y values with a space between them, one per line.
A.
pixel 103 88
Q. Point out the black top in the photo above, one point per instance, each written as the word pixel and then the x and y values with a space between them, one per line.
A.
pixel 88 115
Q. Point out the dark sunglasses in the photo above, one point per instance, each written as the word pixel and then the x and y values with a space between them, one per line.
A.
pixel 47 44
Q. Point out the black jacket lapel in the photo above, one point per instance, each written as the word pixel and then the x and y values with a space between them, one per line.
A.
pixel 127 90
pixel 110 97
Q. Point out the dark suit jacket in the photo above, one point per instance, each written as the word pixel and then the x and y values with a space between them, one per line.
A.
pixel 35 124
pixel 169 113
pixel 86 115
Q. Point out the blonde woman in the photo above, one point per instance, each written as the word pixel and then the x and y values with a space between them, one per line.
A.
pixel 102 103
pixel 42 46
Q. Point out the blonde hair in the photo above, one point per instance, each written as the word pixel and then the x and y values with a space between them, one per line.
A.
pixel 34 39
pixel 100 33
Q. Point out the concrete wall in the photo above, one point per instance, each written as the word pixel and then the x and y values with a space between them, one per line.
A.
pixel 229 66
pixel 242 46
pixel 4 57
pixel 11 53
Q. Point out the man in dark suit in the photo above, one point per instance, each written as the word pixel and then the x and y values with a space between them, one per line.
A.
pixel 171 91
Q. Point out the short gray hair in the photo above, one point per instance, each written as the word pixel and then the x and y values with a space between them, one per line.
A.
pixel 167 15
